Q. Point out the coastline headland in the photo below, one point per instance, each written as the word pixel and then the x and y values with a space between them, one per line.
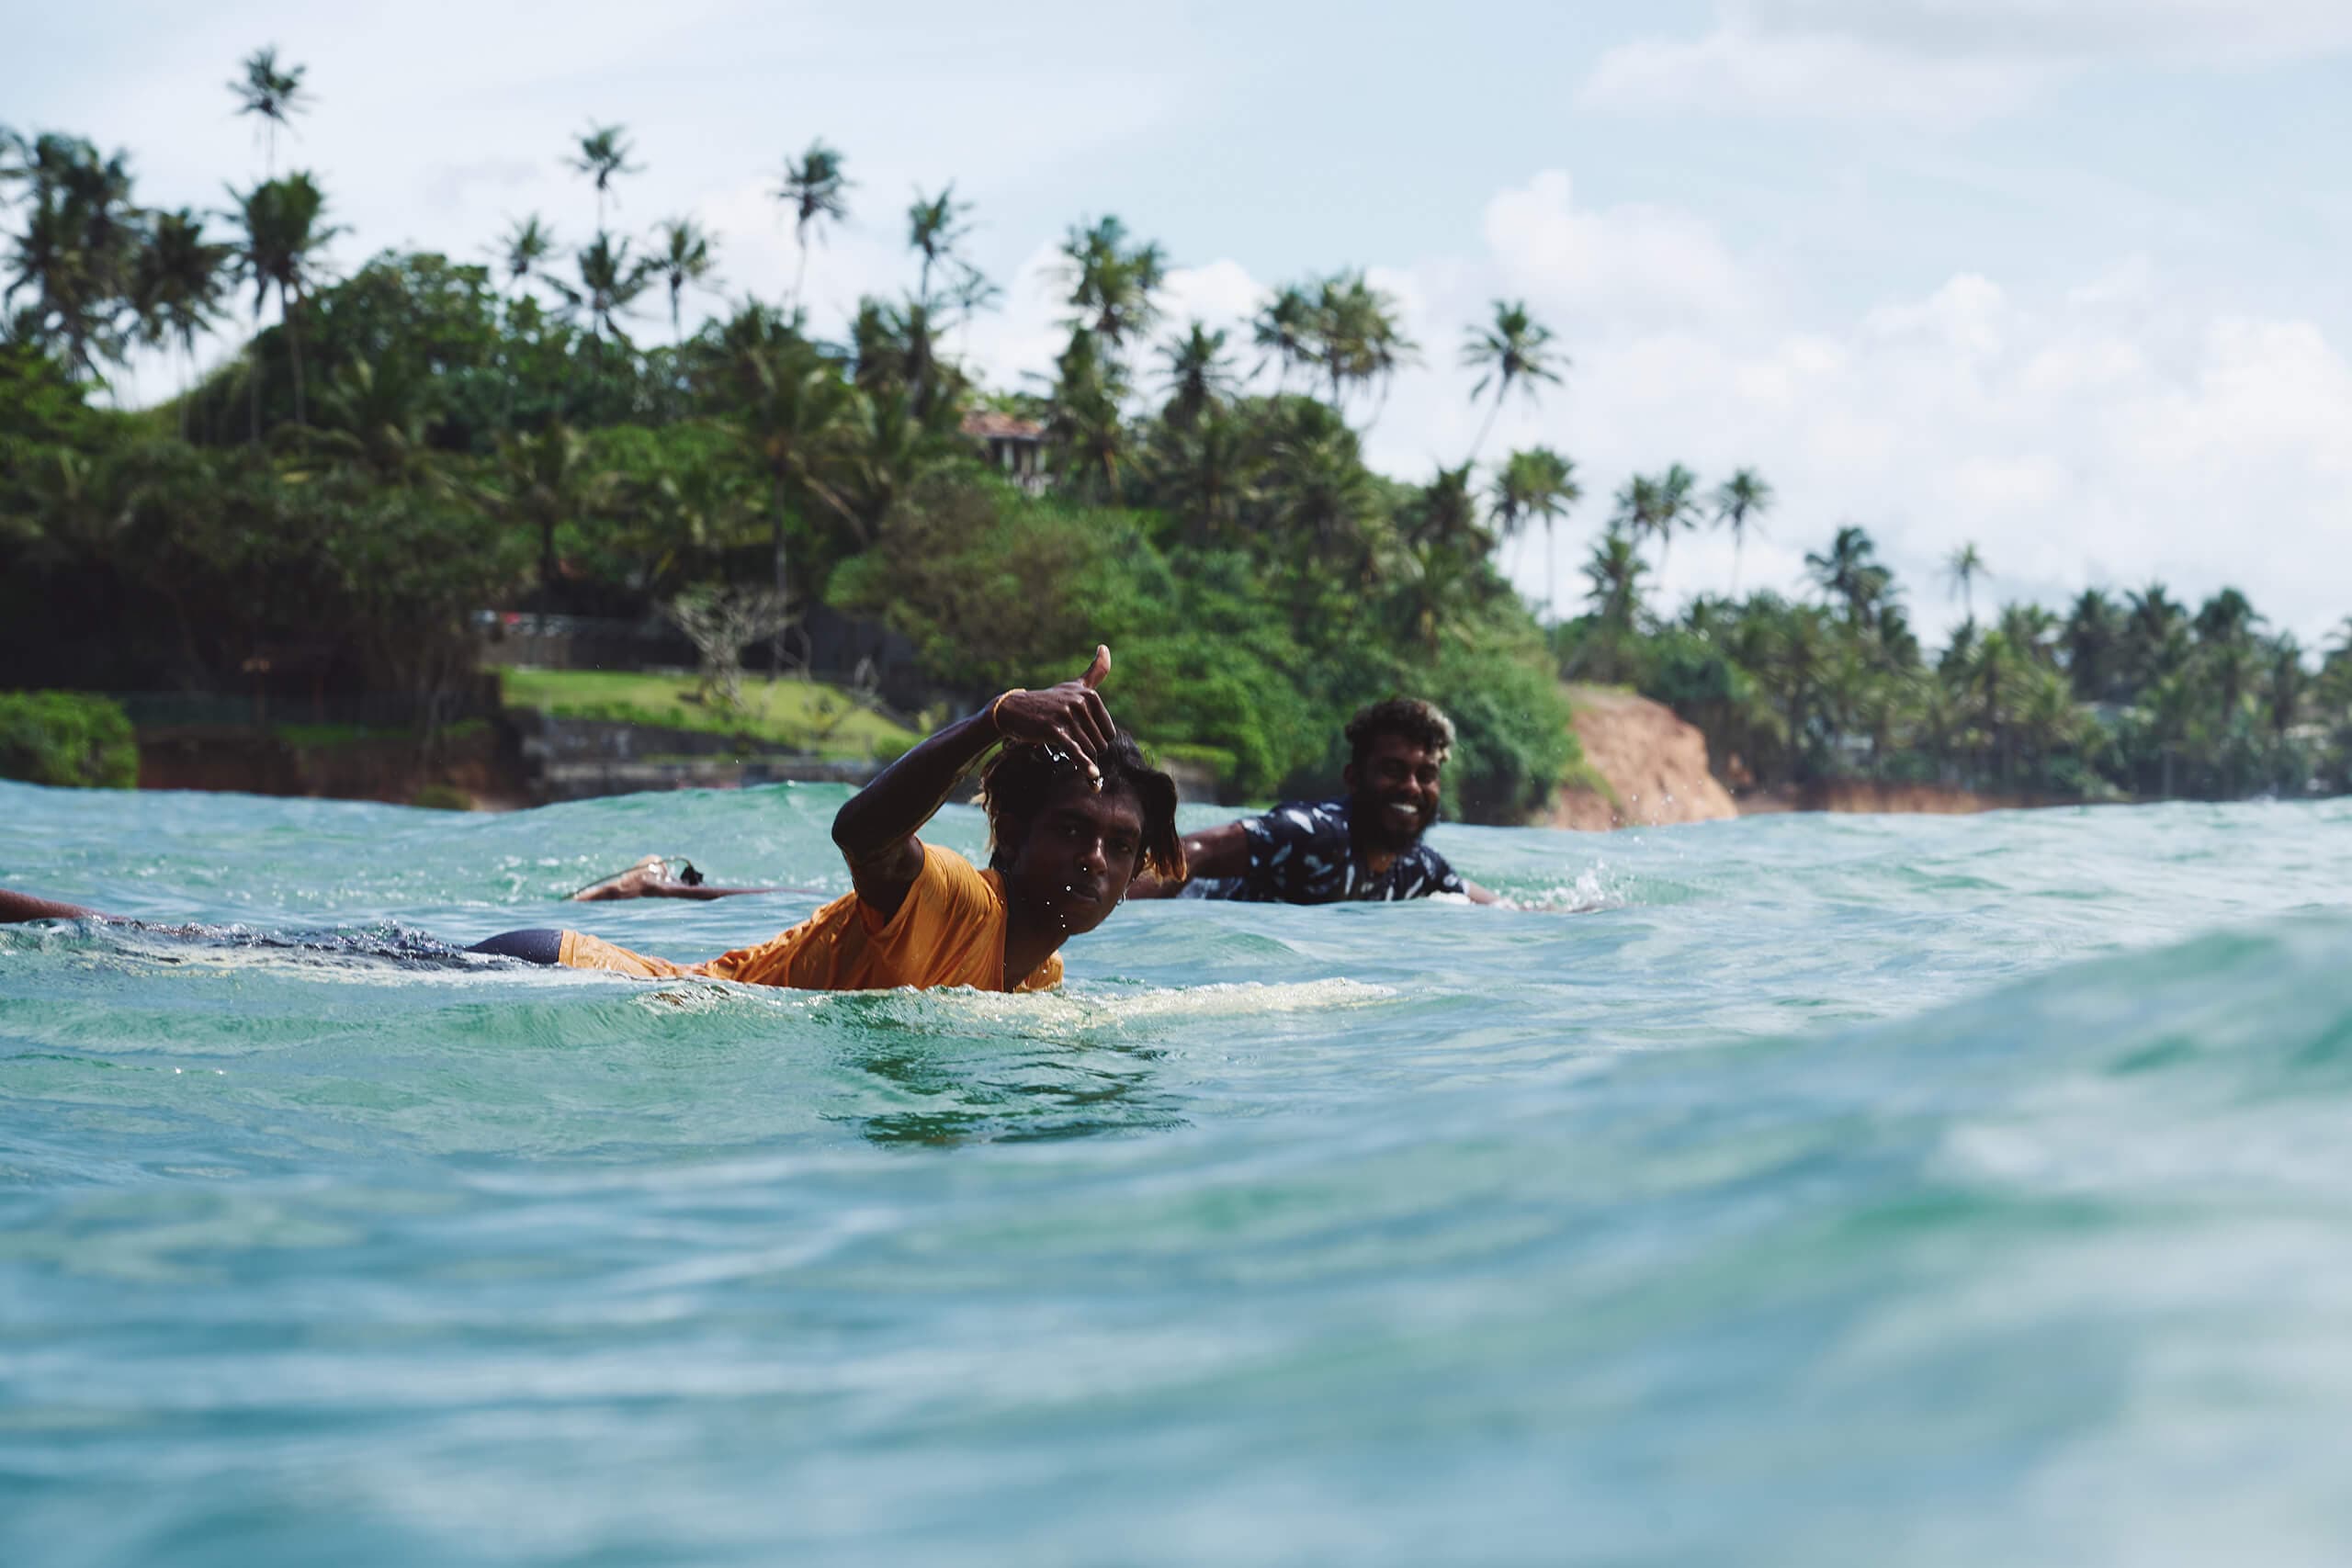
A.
pixel 1644 766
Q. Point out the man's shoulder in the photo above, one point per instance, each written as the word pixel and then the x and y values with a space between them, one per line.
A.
pixel 1310 815
pixel 1436 872
pixel 950 882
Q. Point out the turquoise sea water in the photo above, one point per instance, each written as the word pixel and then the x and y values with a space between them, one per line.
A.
pixel 1824 1190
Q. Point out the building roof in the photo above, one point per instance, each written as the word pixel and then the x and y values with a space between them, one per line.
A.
pixel 987 424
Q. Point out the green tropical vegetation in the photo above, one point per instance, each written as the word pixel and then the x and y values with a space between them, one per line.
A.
pixel 384 453
pixel 2133 695
pixel 378 455
pixel 72 739
pixel 806 715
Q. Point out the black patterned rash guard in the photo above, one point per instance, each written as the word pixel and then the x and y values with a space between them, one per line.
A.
pixel 1302 852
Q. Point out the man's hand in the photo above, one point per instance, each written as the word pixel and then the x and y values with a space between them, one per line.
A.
pixel 1212 852
pixel 1069 717
pixel 875 827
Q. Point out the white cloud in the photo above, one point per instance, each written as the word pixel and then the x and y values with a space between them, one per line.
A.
pixel 2101 435
pixel 1940 63
pixel 2092 31
pixel 1653 261
pixel 1219 295
pixel 1735 70
pixel 2122 426
pixel 1015 345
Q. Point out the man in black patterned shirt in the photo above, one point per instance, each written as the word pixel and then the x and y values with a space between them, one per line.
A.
pixel 1365 845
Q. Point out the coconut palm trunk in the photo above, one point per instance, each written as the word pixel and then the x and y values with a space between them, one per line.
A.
pixel 775 542
pixel 1551 568
pixel 289 308
pixel 1485 426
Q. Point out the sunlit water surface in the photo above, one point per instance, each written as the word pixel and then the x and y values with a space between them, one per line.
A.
pixel 1805 1189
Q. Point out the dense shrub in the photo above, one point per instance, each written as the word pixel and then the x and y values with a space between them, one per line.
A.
pixel 69 739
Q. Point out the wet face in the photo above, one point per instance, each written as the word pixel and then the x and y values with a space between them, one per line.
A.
pixel 1393 791
pixel 1077 856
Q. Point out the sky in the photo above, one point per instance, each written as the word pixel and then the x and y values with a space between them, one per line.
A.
pixel 2060 278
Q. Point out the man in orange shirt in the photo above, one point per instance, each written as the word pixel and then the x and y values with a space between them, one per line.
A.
pixel 1074 814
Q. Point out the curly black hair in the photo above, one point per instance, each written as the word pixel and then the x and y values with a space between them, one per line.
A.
pixel 1015 782
pixel 1408 719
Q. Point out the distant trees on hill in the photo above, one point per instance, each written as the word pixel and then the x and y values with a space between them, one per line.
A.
pixel 394 449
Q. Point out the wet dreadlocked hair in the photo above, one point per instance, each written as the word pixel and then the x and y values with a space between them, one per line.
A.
pixel 1408 719
pixel 1014 786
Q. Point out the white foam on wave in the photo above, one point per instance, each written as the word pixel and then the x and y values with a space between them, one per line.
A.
pixel 1095 1005
pixel 1238 999
pixel 1589 890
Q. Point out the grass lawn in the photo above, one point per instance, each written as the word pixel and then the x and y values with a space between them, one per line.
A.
pixel 327 736
pixel 805 715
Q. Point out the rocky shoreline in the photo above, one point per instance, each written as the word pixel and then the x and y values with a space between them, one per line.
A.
pixel 1644 767
pixel 1647 768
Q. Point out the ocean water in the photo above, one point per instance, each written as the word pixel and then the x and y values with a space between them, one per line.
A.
pixel 1803 1189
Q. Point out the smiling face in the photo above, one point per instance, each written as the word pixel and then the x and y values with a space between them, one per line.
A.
pixel 1394 792
pixel 1076 856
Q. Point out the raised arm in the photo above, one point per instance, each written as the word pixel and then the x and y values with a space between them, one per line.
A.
pixel 875 827
pixel 1222 851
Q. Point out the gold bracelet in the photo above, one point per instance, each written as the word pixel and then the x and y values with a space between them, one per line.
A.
pixel 1016 692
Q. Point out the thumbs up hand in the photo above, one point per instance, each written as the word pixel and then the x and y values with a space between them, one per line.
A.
pixel 1069 717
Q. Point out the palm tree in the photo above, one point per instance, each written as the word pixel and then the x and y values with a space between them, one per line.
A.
pixel 543 482
pixel 897 358
pixel 1615 570
pixel 1850 572
pixel 1199 374
pixel 2032 631
pixel 1636 504
pixel 800 418
pixel 1354 336
pixel 1659 507
pixel 1445 544
pixel 277 96
pixel 2093 641
pixel 610 281
pixel 1740 501
pixel 1964 566
pixel 1113 282
pixel 935 228
pixel 1321 496
pixel 817 192
pixel 2155 636
pixel 687 256
pixel 525 248
pixel 78 255
pixel 1204 475
pixel 285 228
pixel 1386 349
pixel 1283 330
pixel 603 158
pixel 1083 428
pixel 2226 619
pixel 1537 482
pixel 1445 514
pixel 2289 681
pixel 1514 351
pixel 378 421
pixel 180 280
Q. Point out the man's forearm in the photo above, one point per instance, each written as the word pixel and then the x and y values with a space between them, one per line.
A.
pixel 906 795
pixel 17 908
